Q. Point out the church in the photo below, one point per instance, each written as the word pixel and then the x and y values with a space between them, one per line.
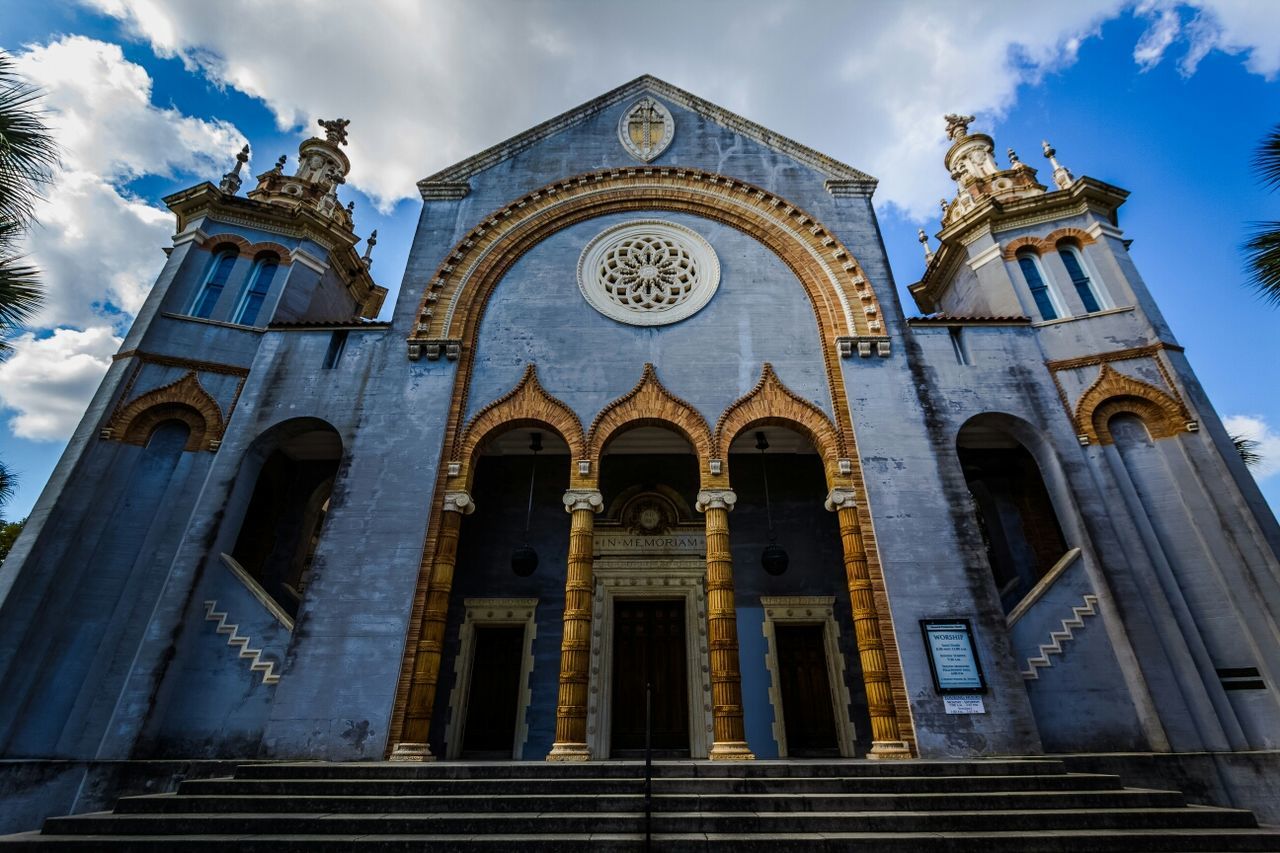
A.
pixel 648 453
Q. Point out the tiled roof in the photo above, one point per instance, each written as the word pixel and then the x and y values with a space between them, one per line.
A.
pixel 953 320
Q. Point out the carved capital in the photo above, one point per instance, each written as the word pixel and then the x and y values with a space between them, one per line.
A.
pixel 841 497
pixel 716 499
pixel 575 499
pixel 458 501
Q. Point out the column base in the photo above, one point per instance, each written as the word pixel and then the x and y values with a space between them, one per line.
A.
pixel 889 750
pixel 569 752
pixel 732 750
pixel 411 752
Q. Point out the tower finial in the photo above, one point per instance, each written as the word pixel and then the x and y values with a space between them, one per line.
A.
pixel 957 125
pixel 1061 175
pixel 924 241
pixel 1014 162
pixel 280 161
pixel 369 243
pixel 335 130
pixel 230 183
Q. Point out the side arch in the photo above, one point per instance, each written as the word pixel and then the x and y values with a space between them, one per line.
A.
pixel 772 402
pixel 649 403
pixel 527 403
pixel 184 400
pixel 247 249
pixel 1113 393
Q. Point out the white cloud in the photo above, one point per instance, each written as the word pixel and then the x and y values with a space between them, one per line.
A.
pixel 48 382
pixel 428 84
pixel 97 244
pixel 1256 427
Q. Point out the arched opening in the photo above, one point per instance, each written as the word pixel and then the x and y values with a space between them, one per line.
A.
pixel 1015 515
pixel 651 606
pixel 508 587
pixel 296 464
pixel 802 659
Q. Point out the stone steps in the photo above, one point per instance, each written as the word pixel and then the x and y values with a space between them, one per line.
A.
pixel 916 806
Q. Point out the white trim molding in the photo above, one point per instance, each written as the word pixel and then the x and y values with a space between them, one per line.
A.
pixel 487 612
pixel 807 610
pixel 680 578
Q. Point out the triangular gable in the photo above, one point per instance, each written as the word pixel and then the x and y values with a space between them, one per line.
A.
pixel 451 182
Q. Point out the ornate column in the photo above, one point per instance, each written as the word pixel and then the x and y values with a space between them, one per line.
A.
pixel 575 647
pixel 722 629
pixel 426 663
pixel 886 740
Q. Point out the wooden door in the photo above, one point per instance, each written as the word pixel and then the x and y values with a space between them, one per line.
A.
pixel 806 691
pixel 493 699
pixel 649 648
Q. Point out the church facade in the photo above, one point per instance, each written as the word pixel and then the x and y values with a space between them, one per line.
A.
pixel 648 447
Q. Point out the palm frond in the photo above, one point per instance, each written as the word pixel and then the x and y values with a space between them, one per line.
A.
pixel 8 483
pixel 1262 255
pixel 1248 450
pixel 1267 159
pixel 27 150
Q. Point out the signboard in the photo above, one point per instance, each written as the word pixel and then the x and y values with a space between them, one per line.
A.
pixel 952 657
pixel 963 705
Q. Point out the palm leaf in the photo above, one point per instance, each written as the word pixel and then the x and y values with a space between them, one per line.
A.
pixel 27 151
pixel 1262 254
pixel 1267 159
pixel 8 482
pixel 1248 450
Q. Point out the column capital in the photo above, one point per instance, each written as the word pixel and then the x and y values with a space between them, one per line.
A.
pixel 841 497
pixel 575 499
pixel 458 501
pixel 716 499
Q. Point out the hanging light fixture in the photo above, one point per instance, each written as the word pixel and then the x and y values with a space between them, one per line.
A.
pixel 774 558
pixel 524 560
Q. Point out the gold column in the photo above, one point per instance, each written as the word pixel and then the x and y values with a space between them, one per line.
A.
pixel 722 630
pixel 886 740
pixel 426 663
pixel 575 647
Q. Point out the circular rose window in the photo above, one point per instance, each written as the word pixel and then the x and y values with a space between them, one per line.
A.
pixel 648 272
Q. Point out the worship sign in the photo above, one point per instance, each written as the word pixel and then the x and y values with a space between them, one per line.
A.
pixel 952 657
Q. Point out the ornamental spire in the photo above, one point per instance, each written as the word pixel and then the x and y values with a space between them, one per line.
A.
pixel 924 241
pixel 1061 175
pixel 369 243
pixel 230 183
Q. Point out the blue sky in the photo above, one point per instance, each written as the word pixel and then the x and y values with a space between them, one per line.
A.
pixel 1166 99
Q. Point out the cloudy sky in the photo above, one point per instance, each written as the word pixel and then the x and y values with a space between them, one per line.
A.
pixel 1165 98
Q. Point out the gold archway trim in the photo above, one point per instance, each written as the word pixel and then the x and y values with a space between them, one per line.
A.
pixel 1113 393
pixel 185 400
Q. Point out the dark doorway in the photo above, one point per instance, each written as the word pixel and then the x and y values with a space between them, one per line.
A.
pixel 649 648
pixel 495 692
pixel 806 691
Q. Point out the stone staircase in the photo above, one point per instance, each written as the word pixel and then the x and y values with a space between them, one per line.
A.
pixel 916 806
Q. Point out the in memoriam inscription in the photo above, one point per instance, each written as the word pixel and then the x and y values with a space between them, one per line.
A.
pixel 691 542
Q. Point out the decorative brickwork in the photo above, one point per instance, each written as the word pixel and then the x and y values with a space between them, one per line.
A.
pixel 1113 393
pixel 247 249
pixel 184 400
pixel 528 404
pixel 770 402
pixel 649 403
pixel 1047 243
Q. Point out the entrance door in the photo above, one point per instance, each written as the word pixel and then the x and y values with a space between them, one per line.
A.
pixel 494 696
pixel 649 648
pixel 806 691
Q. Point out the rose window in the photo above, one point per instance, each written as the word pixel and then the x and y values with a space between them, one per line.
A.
pixel 648 272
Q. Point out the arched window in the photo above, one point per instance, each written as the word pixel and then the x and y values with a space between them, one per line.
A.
pixel 214 281
pixel 255 292
pixel 1074 262
pixel 1046 304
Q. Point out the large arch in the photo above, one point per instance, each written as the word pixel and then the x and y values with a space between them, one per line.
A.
pixel 454 302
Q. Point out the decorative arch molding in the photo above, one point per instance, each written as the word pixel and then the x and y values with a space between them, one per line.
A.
pixel 649 403
pixel 247 249
pixel 771 402
pixel 1113 393
pixel 184 400
pixel 527 403
pixel 1047 243
pixel 454 301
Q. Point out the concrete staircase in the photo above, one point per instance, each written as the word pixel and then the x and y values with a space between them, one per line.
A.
pixel 916 806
